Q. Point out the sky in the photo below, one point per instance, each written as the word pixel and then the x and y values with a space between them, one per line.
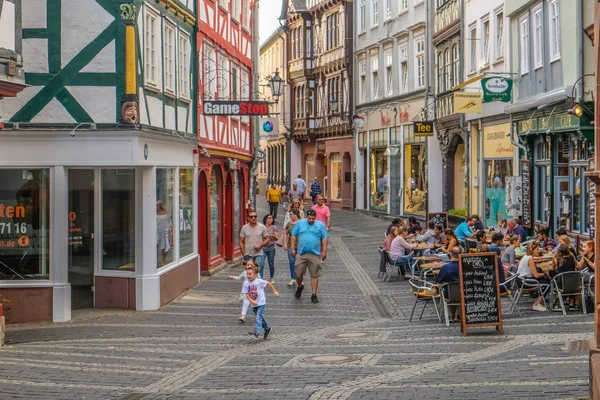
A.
pixel 268 12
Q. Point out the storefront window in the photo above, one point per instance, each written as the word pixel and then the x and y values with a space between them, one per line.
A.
pixel 24 224
pixel 577 197
pixel 541 181
pixel 165 186
pixel 336 176
pixel 379 181
pixel 237 205
pixel 186 211
pixel 215 181
pixel 118 219
pixel 496 172
pixel 310 169
pixel 414 179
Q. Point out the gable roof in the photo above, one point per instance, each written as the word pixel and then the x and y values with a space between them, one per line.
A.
pixel 292 7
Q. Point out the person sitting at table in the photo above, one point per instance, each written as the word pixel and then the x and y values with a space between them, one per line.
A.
pixel 493 248
pixel 564 239
pixel 413 226
pixel 450 240
pixel 564 261
pixel 515 229
pixel 438 238
pixel 509 255
pixel 449 274
pixel 400 249
pixel 465 229
pixel 500 226
pixel 477 225
pixel 396 222
pixel 481 239
pixel 587 261
pixel 546 243
pixel 387 243
pixel 429 236
pixel 497 243
pixel 528 270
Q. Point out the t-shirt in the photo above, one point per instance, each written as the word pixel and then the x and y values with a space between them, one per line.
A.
pixel 256 290
pixel 271 245
pixel 322 213
pixel 509 256
pixel 568 265
pixel 524 269
pixel 448 273
pixel 254 236
pixel 294 193
pixel 309 236
pixel 463 231
pixel 273 195
pixel 519 230
pixel 301 184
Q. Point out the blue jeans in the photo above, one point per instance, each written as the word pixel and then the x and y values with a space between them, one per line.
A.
pixel 270 256
pixel 406 260
pixel 260 321
pixel 292 264
pixel 259 260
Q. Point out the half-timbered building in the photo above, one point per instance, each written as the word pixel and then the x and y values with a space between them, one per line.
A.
pixel 98 198
pixel 224 42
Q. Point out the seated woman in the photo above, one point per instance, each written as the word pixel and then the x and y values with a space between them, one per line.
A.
pixel 509 255
pixel 564 239
pixel 387 243
pixel 400 249
pixel 587 260
pixel 450 240
pixel 528 270
pixel 564 261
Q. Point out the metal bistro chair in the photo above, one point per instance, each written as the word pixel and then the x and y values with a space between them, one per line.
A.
pixel 567 284
pixel 424 292
pixel 591 291
pixel 450 297
pixel 509 291
pixel 529 285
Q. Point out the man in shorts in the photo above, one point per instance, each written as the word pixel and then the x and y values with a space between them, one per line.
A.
pixel 309 237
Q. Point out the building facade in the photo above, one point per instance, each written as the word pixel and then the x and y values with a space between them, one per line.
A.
pixel 98 179
pixel 553 58
pixel 273 130
pixel 392 85
pixel 12 76
pixel 319 70
pixel 224 44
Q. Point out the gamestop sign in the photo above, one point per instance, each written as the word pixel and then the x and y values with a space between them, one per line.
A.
pixel 236 108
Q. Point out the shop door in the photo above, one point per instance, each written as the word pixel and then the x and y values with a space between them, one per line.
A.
pixel 81 237
pixel 561 187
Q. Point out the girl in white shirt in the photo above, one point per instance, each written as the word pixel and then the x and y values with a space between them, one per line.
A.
pixel 527 269
pixel 245 301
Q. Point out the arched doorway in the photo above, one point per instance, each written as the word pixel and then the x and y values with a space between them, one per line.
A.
pixel 456 173
pixel 216 214
pixel 203 218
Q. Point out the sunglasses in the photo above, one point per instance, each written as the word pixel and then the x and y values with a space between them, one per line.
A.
pixel 251 216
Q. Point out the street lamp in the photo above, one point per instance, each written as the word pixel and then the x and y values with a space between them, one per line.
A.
pixel 333 105
pixel 276 85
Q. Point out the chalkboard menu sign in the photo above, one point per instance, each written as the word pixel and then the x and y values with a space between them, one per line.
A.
pixel 440 218
pixel 480 292
pixel 591 188
pixel 526 190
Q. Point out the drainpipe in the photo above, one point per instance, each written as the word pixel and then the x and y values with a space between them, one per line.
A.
pixel 258 153
pixel 514 140
pixel 462 116
pixel 579 28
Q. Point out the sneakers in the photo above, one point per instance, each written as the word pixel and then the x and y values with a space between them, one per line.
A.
pixel 267 333
pixel 299 291
pixel 574 307
pixel 253 335
pixel 556 307
pixel 291 283
pixel 314 298
pixel 272 281
pixel 539 307
pixel 242 319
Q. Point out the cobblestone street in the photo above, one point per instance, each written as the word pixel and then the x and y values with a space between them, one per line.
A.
pixel 357 343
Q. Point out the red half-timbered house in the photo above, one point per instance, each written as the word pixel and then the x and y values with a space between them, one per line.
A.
pixel 225 70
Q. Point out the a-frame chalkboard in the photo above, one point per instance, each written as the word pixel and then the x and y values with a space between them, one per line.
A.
pixel 440 218
pixel 479 291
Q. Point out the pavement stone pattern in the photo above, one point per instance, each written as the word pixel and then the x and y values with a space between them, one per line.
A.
pixel 357 343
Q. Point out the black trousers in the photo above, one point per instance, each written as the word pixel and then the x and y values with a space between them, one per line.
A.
pixel 273 209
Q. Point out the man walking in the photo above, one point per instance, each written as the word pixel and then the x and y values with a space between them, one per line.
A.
pixel 273 197
pixel 315 189
pixel 323 212
pixel 253 237
pixel 309 237
pixel 294 193
pixel 301 183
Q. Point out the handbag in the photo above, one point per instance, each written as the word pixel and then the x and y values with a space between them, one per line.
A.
pixel 279 242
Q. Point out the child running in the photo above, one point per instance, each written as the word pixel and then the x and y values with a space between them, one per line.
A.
pixel 243 299
pixel 254 289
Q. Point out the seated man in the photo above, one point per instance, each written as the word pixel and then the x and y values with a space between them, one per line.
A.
pixel 546 243
pixel 465 229
pixel 438 239
pixel 478 225
pixel 515 229
pixel 481 239
pixel 429 236
pixel 396 222
pixel 497 239
pixel 449 274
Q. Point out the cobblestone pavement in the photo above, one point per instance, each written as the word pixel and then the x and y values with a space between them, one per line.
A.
pixel 357 343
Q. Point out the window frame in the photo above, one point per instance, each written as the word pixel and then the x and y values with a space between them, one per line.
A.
pixel 555 39
pixel 538 37
pixel 151 60
pixel 472 48
pixel 183 77
pixel 419 42
pixel 402 6
pixel 169 55
pixel 389 73
pixel 456 72
pixel 485 42
pixel 362 11
pixel 374 14
pixel 375 76
pixel 499 35
pixel 525 50
pixel 403 53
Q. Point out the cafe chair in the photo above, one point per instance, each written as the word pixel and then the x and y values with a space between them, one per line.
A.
pixel 424 292
pixel 567 284
pixel 391 264
pixel 450 297
pixel 527 286
pixel 507 291
pixel 591 292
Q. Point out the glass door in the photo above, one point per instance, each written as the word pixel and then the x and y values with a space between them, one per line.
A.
pixel 81 237
pixel 561 188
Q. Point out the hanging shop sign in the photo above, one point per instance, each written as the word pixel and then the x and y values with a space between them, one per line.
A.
pixel 235 108
pixel 496 143
pixel 321 147
pixel 423 128
pixel 468 103
pixel 496 89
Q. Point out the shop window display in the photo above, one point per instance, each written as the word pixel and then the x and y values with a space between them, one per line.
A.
pixel 336 176
pixel 496 172
pixel 414 179
pixel 165 186
pixel 215 181
pixel 118 219
pixel 24 224
pixel 379 181
pixel 186 211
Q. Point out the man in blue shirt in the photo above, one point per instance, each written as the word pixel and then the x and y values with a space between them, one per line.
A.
pixel 465 229
pixel 449 271
pixel 496 245
pixel 515 229
pixel 310 236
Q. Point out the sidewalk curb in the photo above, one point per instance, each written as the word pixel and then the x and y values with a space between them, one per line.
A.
pixel 236 262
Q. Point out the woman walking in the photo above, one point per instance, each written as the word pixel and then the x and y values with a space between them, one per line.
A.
pixel 295 205
pixel 287 242
pixel 269 249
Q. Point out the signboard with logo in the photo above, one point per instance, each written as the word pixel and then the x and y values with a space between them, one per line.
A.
pixel 526 205
pixel 496 142
pixel 468 103
pixel 235 108
pixel 321 148
pixel 423 128
pixel 496 89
